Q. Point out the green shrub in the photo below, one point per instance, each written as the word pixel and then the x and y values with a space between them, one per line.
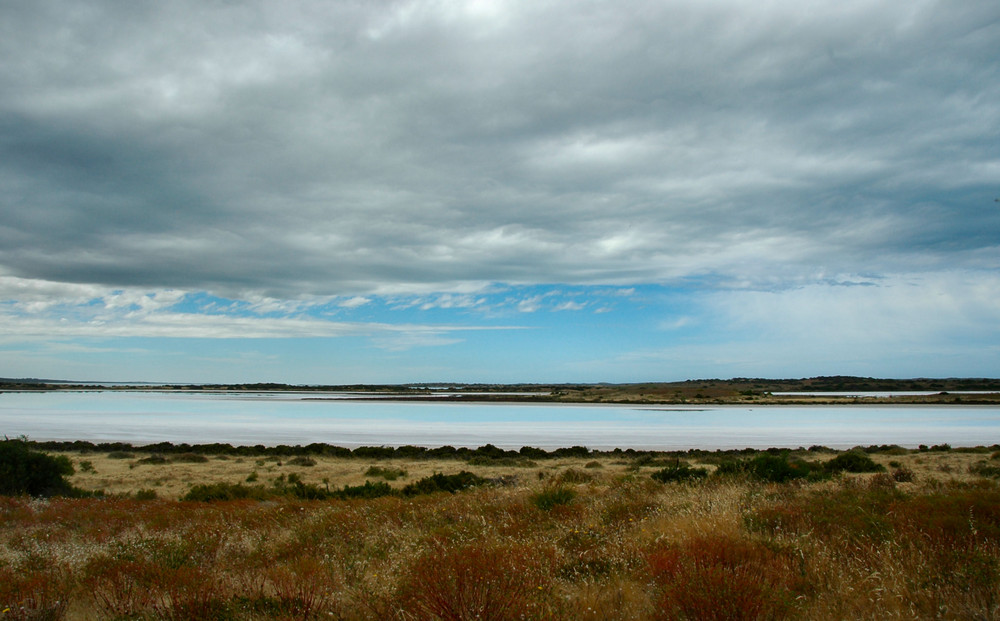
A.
pixel 368 490
pixel 389 474
pixel 146 494
pixel 551 497
pixel 301 461
pixel 121 455
pixel 23 471
pixel 295 487
pixel 852 462
pixel 225 491
pixel 679 472
pixel 443 483
pixel 772 468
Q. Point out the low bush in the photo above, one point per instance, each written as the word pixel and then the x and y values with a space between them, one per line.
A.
pixel 301 461
pixel 723 578
pixel 294 486
pixel 189 458
pixel 389 474
pixel 852 461
pixel 225 491
pixel 23 471
pixel 32 596
pixel 368 490
pixel 903 475
pixel 443 483
pixel 553 496
pixel 679 472
pixel 772 468
pixel 476 581
pixel 146 494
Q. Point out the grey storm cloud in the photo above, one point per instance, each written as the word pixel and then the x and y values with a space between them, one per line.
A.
pixel 343 148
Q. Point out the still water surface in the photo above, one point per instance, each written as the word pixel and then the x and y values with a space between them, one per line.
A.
pixel 284 418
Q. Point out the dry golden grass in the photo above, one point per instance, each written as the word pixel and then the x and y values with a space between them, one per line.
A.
pixel 617 550
pixel 174 478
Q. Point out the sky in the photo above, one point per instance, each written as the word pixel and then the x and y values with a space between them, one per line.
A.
pixel 499 191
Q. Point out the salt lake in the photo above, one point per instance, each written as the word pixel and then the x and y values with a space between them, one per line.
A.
pixel 142 417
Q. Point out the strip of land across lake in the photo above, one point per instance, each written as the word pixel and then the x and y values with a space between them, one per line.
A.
pixel 823 390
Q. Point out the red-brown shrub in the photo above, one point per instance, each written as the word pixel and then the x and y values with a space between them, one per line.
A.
pixel 122 588
pixel 490 582
pixel 32 595
pixel 724 579
pixel 302 587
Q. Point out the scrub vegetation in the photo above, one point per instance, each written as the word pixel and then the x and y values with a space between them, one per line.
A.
pixel 873 533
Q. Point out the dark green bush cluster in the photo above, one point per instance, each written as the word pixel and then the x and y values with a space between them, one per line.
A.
pixel 368 490
pixel 773 468
pixel 438 482
pixel 23 471
pixel 189 458
pixel 779 467
pixel 293 486
pixel 679 472
pixel 852 461
pixel 226 491
pixel 389 474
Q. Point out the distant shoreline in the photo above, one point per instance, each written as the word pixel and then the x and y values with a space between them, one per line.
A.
pixel 624 395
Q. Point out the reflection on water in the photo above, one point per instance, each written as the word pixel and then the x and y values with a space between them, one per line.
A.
pixel 282 418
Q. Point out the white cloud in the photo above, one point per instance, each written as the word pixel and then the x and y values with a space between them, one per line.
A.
pixel 915 324
pixel 354 302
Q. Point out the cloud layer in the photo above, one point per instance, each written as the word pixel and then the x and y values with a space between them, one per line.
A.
pixel 345 148
pixel 351 156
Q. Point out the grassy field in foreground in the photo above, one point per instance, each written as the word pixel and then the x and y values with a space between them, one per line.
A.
pixel 570 538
